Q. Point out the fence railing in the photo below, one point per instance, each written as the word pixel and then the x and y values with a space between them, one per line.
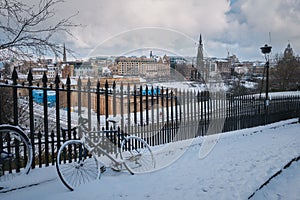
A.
pixel 50 110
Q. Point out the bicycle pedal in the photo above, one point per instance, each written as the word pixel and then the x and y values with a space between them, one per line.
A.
pixel 102 169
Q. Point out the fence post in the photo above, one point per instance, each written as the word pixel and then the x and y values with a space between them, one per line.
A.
pixel 114 99
pixel 298 107
pixel 40 149
pixel 173 129
pixel 121 106
pixel 89 104
pixel 147 106
pixel 98 105
pixel 134 104
pixel 15 95
pixel 141 106
pixel 162 110
pixel 68 83
pixel 52 147
pixel 31 118
pixel 106 105
pixel 79 84
pixel 128 109
pixel 152 116
pixel 45 102
pixel 57 81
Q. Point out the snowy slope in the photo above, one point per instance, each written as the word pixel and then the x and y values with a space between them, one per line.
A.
pixel 235 168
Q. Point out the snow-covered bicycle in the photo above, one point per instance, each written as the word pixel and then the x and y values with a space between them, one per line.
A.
pixel 15 152
pixel 81 161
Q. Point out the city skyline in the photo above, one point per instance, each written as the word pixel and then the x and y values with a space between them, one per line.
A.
pixel 239 27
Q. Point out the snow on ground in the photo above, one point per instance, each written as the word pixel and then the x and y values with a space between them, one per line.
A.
pixel 239 163
pixel 284 186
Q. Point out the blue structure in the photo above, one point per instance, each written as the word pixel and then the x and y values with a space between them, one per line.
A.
pixel 38 96
pixel 155 91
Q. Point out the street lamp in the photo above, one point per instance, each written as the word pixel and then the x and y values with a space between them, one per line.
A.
pixel 266 50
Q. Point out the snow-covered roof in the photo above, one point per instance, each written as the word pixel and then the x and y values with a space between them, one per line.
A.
pixel 73 81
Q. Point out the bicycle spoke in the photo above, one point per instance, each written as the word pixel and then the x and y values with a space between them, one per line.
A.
pixel 137 155
pixel 80 167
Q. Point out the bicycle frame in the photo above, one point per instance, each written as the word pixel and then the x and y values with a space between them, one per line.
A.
pixel 83 131
pixel 135 155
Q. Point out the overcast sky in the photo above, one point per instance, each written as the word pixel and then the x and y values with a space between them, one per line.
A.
pixel 115 27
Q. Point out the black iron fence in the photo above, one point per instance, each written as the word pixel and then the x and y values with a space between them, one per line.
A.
pixel 50 110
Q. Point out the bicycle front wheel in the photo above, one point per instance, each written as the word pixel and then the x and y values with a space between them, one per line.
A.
pixel 75 165
pixel 137 155
pixel 15 152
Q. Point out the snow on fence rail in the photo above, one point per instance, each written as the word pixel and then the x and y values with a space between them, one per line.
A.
pixel 154 116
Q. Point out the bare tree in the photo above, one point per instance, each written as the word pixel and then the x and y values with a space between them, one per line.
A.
pixel 27 29
pixel 285 75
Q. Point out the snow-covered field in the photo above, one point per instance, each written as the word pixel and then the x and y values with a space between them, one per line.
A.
pixel 240 162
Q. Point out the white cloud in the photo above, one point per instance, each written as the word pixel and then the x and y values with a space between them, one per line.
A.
pixel 105 18
pixel 253 20
pixel 241 26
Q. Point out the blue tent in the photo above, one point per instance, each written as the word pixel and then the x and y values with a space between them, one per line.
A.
pixel 38 96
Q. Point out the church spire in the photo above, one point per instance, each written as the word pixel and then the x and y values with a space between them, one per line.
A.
pixel 200 59
pixel 64 54
pixel 200 55
pixel 200 40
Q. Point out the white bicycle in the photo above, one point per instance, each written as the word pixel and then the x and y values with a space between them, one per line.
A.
pixel 80 161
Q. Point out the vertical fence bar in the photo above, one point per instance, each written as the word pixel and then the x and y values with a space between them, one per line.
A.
pixel 57 109
pixel 163 114
pixel 40 149
pixel 195 111
pixel 177 103
pixel 106 105
pixel 15 95
pixel 167 116
pixel 184 115
pixel 79 93
pixel 188 113
pixel 68 83
pixel 89 102
pixel 157 136
pixel 52 147
pixel 206 112
pixel 98 105
pixel 172 127
pixel 134 104
pixel 45 102
pixel 152 117
pixel 31 115
pixel 146 127
pixel 147 106
pixel 122 106
pixel 114 104
pixel 128 109
pixel 141 106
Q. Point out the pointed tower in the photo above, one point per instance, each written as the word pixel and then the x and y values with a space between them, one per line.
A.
pixel 288 52
pixel 200 60
pixel 64 54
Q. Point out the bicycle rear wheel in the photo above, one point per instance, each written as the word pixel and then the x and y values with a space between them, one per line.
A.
pixel 15 152
pixel 137 155
pixel 75 165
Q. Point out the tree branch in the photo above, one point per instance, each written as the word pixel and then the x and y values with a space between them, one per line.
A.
pixel 27 29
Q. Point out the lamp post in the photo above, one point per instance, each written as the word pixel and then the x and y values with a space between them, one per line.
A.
pixel 266 50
